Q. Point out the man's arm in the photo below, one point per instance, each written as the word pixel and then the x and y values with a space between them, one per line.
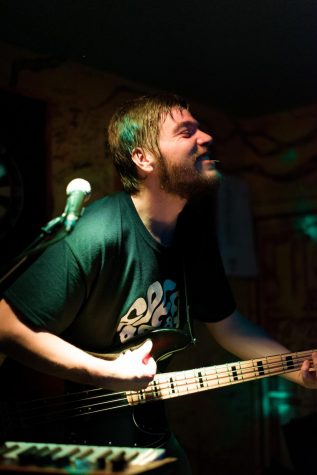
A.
pixel 50 354
pixel 246 340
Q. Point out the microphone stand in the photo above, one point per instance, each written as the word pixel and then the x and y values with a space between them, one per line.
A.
pixel 78 191
pixel 51 233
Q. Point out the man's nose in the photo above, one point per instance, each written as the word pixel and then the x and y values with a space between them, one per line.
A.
pixel 204 138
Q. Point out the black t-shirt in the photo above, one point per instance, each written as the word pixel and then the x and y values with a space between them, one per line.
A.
pixel 110 280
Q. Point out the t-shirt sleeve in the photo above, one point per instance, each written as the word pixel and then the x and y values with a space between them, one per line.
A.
pixel 51 291
pixel 66 283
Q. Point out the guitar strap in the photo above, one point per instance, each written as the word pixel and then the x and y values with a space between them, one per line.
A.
pixel 185 242
pixel 188 327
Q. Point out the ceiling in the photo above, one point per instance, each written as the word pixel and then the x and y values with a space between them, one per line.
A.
pixel 248 57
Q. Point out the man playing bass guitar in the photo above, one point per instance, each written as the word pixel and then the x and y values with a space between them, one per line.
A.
pixel 138 262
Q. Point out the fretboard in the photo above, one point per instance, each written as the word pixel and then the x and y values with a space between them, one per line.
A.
pixel 180 383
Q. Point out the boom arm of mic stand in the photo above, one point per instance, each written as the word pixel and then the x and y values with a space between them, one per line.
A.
pixel 51 233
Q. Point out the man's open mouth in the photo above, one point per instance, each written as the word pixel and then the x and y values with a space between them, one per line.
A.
pixel 203 158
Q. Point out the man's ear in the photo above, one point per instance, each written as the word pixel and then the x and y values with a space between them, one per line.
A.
pixel 143 159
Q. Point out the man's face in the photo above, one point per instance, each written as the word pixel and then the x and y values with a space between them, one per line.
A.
pixel 186 168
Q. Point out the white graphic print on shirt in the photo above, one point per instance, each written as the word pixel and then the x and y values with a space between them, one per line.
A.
pixel 159 310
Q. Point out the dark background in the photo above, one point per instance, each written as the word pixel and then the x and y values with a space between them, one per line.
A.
pixel 248 57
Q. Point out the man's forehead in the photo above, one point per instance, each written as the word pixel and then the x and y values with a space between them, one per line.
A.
pixel 177 118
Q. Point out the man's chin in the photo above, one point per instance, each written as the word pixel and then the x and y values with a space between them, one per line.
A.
pixel 212 175
pixel 205 186
pixel 188 183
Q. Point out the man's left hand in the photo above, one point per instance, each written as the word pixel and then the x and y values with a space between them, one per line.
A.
pixel 308 373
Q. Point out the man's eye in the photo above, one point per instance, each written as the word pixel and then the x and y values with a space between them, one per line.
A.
pixel 187 133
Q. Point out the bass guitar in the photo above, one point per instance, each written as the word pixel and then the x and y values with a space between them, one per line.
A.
pixel 124 424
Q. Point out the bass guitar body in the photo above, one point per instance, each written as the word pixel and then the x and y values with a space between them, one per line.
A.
pixel 40 408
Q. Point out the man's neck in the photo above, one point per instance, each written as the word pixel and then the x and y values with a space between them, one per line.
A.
pixel 159 212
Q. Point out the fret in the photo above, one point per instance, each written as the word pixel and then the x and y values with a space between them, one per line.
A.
pixel 163 384
pixel 204 377
pixel 275 363
pixel 241 371
pixel 260 367
pixel 207 378
pixel 223 375
pixel 212 376
pixel 281 363
pixel 172 385
pixel 234 373
pixel 201 383
pixel 289 362
pixel 167 384
pixel 267 365
pixel 178 383
pixel 190 382
pixel 248 370
pixel 156 391
pixel 132 397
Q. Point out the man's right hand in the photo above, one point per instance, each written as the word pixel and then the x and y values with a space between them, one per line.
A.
pixel 48 353
pixel 133 369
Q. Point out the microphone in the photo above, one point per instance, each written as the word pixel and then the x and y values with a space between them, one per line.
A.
pixel 78 191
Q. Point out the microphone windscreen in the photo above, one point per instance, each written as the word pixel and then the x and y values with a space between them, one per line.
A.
pixel 78 184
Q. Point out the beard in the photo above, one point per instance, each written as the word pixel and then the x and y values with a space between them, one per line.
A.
pixel 186 181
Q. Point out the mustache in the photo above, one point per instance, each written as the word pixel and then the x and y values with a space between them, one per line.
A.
pixel 208 153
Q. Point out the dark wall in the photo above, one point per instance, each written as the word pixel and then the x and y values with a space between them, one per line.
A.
pixel 24 190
